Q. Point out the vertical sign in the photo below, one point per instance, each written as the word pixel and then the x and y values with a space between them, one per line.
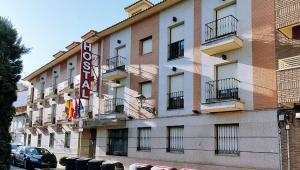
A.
pixel 86 70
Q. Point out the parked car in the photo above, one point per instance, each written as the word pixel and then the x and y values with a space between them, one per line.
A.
pixel 14 147
pixel 34 157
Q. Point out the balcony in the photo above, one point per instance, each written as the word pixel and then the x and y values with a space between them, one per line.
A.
pixel 28 123
pixel 287 18
pixel 30 100
pixel 113 114
pixel 221 36
pixel 69 85
pixel 176 50
pixel 40 96
pixel 222 96
pixel 52 91
pixel 176 100
pixel 116 68
pixel 38 121
pixel 51 120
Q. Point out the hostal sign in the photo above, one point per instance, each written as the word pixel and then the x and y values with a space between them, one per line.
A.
pixel 86 70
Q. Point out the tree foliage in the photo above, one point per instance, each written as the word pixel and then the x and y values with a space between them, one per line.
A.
pixel 11 50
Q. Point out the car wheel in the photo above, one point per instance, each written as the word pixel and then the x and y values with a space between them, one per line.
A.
pixel 26 164
pixel 13 161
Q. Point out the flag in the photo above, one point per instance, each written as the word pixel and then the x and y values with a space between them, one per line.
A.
pixel 76 109
pixel 71 109
pixel 67 104
pixel 79 108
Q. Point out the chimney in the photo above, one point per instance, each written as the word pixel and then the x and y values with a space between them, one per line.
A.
pixel 138 7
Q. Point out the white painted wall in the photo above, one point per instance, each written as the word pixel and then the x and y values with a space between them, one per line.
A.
pixel 242 55
pixel 184 12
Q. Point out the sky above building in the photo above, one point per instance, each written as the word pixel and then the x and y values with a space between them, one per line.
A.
pixel 49 26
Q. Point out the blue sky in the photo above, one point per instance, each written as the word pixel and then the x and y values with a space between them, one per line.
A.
pixel 47 26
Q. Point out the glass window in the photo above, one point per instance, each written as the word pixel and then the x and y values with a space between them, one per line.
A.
pixel 51 140
pixel 144 138
pixel 67 139
pixel 147 45
pixel 175 139
pixel 29 140
pixel 227 139
pixel 146 89
pixel 39 142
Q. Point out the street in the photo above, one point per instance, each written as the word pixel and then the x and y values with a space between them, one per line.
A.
pixel 15 168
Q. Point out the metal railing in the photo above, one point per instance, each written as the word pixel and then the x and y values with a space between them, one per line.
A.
pixel 220 90
pixel 29 122
pixel 30 98
pixel 88 111
pixel 53 89
pixel 220 28
pixel 52 118
pixel 39 120
pixel 115 105
pixel 116 63
pixel 176 100
pixel 176 50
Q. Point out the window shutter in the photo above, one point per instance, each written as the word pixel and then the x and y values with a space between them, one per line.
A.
pixel 176 83
pixel 147 89
pixel 177 33
pixel 147 46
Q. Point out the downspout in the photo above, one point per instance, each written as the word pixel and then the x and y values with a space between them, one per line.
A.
pixel 287 127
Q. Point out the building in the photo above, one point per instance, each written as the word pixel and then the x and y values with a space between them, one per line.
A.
pixel 18 123
pixel 288 78
pixel 182 83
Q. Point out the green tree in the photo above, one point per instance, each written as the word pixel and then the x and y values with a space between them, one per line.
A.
pixel 11 50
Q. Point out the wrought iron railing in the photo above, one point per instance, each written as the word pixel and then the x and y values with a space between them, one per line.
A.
pixel 41 95
pixel 115 105
pixel 223 89
pixel 220 28
pixel 88 111
pixel 39 120
pixel 176 50
pixel 53 89
pixel 176 100
pixel 116 63
pixel 30 98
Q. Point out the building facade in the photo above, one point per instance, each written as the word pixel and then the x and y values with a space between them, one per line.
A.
pixel 180 83
pixel 287 25
pixel 18 123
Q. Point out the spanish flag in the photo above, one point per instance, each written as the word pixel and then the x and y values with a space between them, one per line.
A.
pixel 71 109
pixel 67 106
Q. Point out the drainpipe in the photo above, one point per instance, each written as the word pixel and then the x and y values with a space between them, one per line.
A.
pixel 287 127
pixel 280 148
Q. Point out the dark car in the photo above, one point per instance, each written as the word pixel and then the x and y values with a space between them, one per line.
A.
pixel 34 157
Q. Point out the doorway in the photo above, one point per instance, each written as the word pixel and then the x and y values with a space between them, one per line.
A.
pixel 92 143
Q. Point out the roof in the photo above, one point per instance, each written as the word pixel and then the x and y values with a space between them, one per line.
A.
pixel 140 1
pixel 21 99
pixel 118 26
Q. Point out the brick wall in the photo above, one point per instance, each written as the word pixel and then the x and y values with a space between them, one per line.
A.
pixel 287 12
pixel 288 86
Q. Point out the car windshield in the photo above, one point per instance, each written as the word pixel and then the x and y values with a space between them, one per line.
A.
pixel 36 151
pixel 14 146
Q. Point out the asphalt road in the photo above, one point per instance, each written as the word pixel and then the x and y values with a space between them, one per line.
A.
pixel 15 168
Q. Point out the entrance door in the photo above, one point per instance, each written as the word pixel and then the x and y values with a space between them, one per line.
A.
pixel 92 143
pixel 117 142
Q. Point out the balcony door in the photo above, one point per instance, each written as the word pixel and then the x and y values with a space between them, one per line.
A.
pixel 176 91
pixel 225 20
pixel 227 83
pixel 119 99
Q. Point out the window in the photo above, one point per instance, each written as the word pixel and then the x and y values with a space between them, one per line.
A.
pixel 67 139
pixel 146 45
pixel 40 118
pixel 29 140
pixel 146 89
pixel 55 78
pixel 175 139
pixel 144 139
pixel 53 114
pixel 39 141
pixel 71 76
pixel 51 140
pixel 176 47
pixel 176 92
pixel 227 139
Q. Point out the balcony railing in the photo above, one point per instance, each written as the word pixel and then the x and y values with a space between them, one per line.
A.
pixel 51 118
pixel 116 63
pixel 176 50
pixel 220 28
pixel 29 122
pixel 176 100
pixel 114 105
pixel 222 90
pixel 30 99
pixel 88 111
pixel 39 121
pixel 41 95
pixel 53 89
